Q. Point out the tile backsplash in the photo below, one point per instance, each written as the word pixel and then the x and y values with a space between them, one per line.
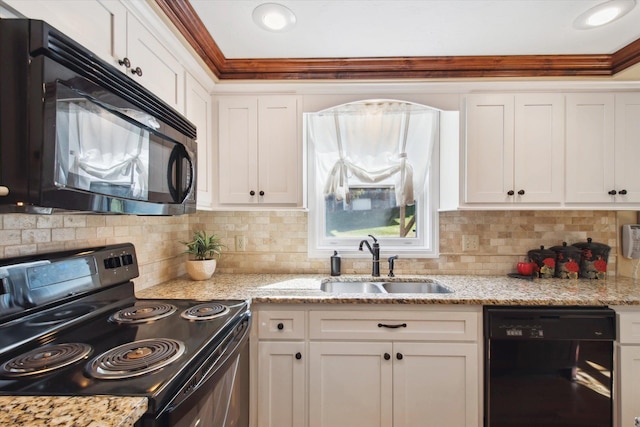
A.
pixel 277 240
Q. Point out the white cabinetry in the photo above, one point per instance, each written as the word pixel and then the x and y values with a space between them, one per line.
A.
pixel 281 384
pixel 627 367
pixel 198 111
pixel 111 31
pixel 514 149
pixel 394 368
pixel 602 150
pixel 259 150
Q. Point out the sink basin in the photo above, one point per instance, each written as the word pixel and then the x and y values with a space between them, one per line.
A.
pixel 415 288
pixel 384 288
pixel 352 288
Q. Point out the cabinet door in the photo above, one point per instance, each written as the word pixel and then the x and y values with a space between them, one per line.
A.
pixel 198 111
pixel 489 149
pixel 627 129
pixel 539 148
pixel 278 150
pixel 590 148
pixel 99 25
pixel 281 384
pixel 436 385
pixel 238 149
pixel 628 399
pixel 350 384
pixel 162 73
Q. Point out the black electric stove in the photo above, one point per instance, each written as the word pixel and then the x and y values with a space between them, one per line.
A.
pixel 70 324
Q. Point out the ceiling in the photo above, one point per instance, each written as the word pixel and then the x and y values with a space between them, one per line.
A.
pixel 407 39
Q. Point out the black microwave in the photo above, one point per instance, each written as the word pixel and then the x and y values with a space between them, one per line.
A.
pixel 78 134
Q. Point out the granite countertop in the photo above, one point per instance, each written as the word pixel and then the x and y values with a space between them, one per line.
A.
pixel 111 411
pixel 483 290
pixel 71 411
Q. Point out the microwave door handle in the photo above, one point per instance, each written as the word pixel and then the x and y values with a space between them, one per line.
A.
pixel 173 173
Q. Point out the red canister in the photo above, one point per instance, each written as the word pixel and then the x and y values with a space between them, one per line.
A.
pixel 567 261
pixel 594 259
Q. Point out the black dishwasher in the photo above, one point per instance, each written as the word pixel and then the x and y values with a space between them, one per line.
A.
pixel 550 367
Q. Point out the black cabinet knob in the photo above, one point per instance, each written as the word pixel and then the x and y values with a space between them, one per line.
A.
pixel 613 192
pixel 298 355
pixel 280 326
pixel 252 193
pixel 521 192
pixel 623 192
pixel 261 193
pixel 125 61
pixel 387 356
pixel 399 356
pixel 510 193
pixel 137 71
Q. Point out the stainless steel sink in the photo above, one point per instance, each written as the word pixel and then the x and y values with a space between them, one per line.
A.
pixel 415 288
pixel 351 288
pixel 427 287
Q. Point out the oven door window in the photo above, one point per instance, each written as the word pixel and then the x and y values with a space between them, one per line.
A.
pixel 116 152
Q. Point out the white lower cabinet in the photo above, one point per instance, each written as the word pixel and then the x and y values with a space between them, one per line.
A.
pixel 365 367
pixel 627 367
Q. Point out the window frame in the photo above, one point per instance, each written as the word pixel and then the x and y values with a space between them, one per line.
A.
pixel 426 245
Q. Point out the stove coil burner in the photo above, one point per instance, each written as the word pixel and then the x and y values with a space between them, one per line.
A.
pixel 205 311
pixel 143 313
pixel 61 315
pixel 45 359
pixel 136 358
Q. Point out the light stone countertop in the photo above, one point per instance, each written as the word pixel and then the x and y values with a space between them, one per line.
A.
pixel 482 290
pixel 110 411
pixel 71 411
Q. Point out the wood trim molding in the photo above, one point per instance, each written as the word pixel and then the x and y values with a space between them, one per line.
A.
pixel 187 22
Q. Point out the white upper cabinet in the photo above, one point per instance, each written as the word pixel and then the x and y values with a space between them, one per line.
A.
pixel 112 32
pixel 259 150
pixel 514 149
pixel 153 65
pixel 198 111
pixel 603 130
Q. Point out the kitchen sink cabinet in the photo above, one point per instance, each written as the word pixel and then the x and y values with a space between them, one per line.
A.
pixel 259 151
pixel 326 365
pixel 514 150
pixel 394 368
pixel 602 150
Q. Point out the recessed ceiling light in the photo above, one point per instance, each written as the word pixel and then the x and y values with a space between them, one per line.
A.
pixel 274 17
pixel 603 13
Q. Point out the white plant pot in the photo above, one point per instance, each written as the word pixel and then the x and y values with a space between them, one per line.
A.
pixel 201 269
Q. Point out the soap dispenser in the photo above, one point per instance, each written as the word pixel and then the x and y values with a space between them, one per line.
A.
pixel 335 264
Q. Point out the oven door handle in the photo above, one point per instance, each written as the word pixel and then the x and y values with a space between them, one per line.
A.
pixel 214 363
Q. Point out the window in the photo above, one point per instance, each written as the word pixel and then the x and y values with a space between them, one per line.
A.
pixel 372 170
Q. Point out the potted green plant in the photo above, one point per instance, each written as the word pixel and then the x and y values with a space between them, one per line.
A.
pixel 205 249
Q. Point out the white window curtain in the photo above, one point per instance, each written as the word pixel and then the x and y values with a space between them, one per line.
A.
pixel 382 142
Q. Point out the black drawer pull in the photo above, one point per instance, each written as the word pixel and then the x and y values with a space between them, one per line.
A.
pixel 384 325
pixel 387 356
pixel 399 356
pixel 298 355
pixel 280 326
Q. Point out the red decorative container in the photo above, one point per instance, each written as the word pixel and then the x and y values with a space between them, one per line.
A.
pixel 594 259
pixel 567 261
pixel 545 259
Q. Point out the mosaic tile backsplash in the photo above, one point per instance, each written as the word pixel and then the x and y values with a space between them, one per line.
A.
pixel 277 240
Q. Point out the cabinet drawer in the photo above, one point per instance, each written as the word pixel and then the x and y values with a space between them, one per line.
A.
pixel 395 325
pixel 285 325
pixel 629 328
